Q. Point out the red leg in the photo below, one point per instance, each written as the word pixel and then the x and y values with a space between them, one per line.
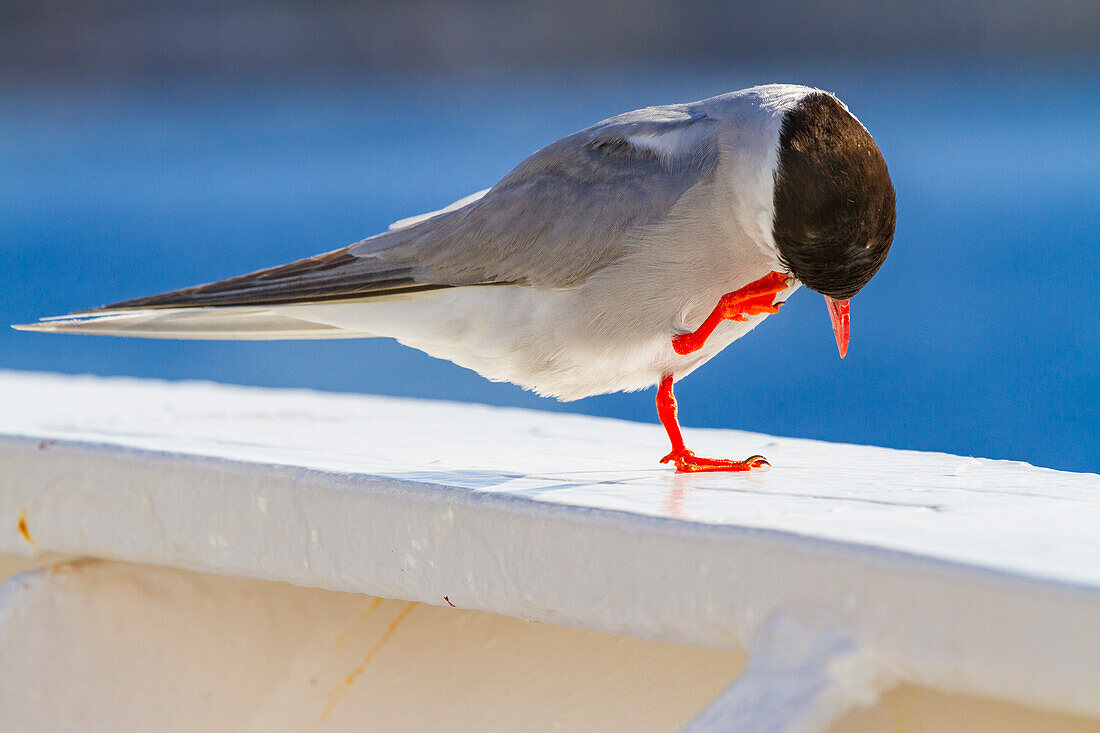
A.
pixel 752 300
pixel 685 460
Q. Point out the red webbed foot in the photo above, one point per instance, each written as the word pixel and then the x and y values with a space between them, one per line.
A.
pixel 687 462
pixel 752 300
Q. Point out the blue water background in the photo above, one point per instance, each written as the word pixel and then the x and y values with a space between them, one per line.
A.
pixel 979 336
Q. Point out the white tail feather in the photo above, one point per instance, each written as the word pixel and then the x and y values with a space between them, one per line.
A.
pixel 215 323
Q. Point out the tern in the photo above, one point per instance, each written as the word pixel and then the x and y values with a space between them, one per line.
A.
pixel 620 257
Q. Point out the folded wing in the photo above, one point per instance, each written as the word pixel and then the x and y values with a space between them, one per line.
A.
pixel 563 214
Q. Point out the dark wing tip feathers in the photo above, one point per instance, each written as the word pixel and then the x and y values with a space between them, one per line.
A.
pixel 448 250
pixel 337 275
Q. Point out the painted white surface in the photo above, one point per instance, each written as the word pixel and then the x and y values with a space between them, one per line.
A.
pixel 960 574
pixel 108 646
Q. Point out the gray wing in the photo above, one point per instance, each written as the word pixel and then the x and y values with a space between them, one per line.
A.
pixel 560 216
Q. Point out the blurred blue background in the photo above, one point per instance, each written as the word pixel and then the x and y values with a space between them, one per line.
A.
pixel 150 146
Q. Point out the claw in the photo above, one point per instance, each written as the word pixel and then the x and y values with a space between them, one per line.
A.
pixel 758 461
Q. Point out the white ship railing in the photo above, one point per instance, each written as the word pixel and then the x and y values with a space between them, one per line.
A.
pixel 865 585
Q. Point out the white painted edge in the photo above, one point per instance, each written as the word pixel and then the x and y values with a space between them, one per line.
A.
pixel 927 622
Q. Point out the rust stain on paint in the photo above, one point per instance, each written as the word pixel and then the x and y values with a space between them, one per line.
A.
pixel 342 689
pixel 22 524
pixel 342 638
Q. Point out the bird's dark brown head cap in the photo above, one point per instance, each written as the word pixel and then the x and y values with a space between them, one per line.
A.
pixel 834 202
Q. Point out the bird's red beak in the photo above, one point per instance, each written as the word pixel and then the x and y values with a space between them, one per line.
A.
pixel 838 314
